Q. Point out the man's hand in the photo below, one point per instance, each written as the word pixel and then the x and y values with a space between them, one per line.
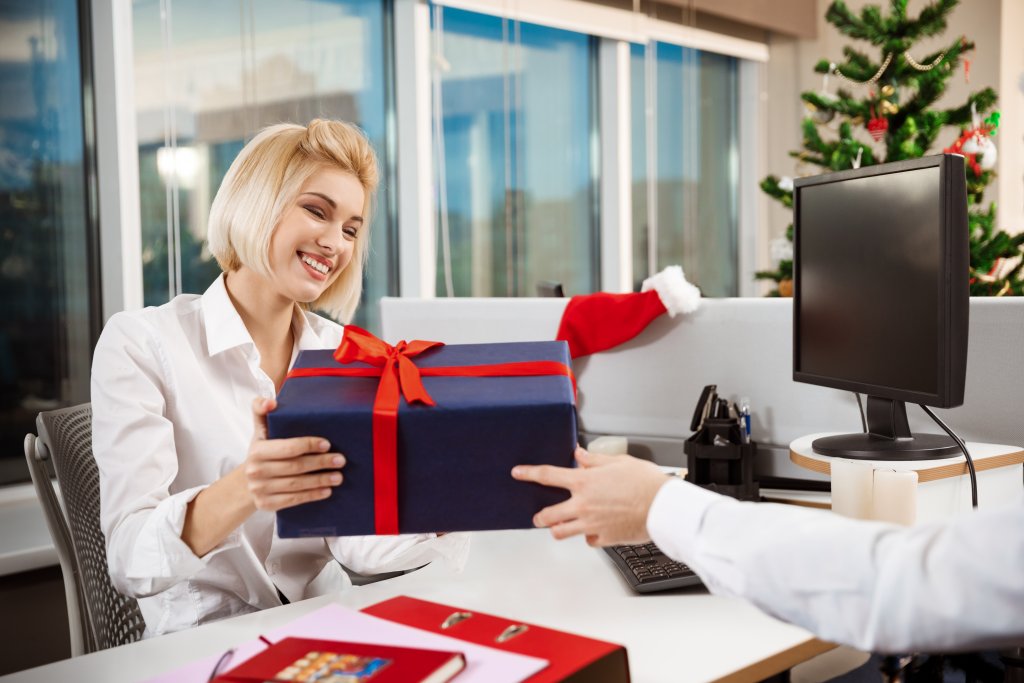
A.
pixel 611 495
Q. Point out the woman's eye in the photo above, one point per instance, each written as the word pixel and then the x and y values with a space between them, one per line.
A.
pixel 351 232
pixel 315 211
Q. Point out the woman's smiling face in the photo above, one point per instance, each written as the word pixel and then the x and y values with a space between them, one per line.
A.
pixel 316 236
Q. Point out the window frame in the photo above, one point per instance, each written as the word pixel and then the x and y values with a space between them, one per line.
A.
pixel 616 29
pixel 120 242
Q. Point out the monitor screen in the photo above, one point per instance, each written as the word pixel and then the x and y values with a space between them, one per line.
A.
pixel 880 280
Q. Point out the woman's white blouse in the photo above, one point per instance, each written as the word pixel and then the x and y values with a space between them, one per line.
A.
pixel 172 392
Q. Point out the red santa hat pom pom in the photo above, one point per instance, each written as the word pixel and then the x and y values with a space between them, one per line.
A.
pixel 597 322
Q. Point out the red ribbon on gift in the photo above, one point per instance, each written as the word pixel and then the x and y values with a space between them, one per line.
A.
pixel 400 376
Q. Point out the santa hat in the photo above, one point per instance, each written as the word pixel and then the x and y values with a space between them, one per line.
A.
pixel 596 322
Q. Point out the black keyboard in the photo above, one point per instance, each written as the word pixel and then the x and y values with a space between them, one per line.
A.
pixel 647 569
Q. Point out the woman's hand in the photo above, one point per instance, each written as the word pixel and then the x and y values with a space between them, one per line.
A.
pixel 611 495
pixel 281 473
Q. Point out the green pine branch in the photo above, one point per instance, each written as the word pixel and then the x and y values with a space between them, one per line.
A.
pixel 932 20
pixel 905 96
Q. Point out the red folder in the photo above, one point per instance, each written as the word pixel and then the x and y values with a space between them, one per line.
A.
pixel 571 657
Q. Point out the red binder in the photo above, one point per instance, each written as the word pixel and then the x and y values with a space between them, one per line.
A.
pixel 571 657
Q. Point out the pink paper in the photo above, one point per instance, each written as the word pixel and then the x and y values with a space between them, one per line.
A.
pixel 335 622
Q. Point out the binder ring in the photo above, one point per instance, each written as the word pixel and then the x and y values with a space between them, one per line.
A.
pixel 511 632
pixel 454 618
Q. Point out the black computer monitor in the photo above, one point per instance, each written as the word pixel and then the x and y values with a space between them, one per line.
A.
pixel 880 277
pixel 546 288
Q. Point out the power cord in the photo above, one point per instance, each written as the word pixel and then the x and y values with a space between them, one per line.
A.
pixel 863 419
pixel 963 447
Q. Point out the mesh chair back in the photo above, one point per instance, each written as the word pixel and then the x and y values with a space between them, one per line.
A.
pixel 113 619
pixel 41 468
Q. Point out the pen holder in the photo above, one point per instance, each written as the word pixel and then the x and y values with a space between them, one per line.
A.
pixel 718 460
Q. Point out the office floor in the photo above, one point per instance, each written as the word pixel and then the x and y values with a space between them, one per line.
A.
pixel 34 629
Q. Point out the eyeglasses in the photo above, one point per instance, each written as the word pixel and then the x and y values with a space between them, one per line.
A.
pixel 221 664
pixel 225 659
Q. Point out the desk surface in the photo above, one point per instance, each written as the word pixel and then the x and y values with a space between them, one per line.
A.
pixel 682 635
pixel 986 456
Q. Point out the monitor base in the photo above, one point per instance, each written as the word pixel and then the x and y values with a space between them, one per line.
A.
pixel 865 446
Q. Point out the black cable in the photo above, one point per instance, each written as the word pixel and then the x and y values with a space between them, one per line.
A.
pixel 863 420
pixel 963 447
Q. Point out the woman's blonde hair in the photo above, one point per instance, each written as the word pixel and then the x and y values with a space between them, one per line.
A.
pixel 263 181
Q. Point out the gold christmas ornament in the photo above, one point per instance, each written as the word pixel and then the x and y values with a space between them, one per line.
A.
pixel 820 116
pixel 888 91
pixel 887 108
pixel 924 67
pixel 870 81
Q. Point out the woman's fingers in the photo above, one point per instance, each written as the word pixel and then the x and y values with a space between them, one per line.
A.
pixel 284 472
pixel 260 408
pixel 284 467
pixel 277 449
pixel 286 500
pixel 304 482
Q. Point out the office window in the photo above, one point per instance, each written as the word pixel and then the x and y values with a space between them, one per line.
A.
pixel 685 153
pixel 515 123
pixel 209 75
pixel 48 229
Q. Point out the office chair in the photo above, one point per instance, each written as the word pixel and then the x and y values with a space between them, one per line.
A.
pixel 99 617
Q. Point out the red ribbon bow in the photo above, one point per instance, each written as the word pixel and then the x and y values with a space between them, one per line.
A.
pixel 400 376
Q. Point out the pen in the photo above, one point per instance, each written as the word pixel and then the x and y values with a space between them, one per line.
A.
pixel 745 419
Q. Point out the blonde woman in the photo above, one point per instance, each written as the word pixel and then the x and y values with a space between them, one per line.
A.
pixel 189 480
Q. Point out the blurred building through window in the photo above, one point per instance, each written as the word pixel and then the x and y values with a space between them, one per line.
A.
pixel 685 157
pixel 48 228
pixel 209 76
pixel 517 167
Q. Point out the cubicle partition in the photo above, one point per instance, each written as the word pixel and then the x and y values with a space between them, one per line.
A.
pixel 647 388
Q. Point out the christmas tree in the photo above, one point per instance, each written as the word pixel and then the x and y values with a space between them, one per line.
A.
pixel 884 111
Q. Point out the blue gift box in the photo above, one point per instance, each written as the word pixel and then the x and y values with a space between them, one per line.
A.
pixel 454 458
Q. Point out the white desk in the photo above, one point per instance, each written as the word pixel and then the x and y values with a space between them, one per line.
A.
pixel 683 635
pixel 943 484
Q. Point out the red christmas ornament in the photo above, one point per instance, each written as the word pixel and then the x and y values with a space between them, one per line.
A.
pixel 877 125
pixel 970 157
pixel 967 62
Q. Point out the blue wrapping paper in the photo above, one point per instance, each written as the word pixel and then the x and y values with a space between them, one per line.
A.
pixel 454 458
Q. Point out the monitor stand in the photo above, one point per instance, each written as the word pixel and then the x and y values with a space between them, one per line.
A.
pixel 888 437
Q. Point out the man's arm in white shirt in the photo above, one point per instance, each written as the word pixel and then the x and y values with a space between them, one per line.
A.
pixel 879 587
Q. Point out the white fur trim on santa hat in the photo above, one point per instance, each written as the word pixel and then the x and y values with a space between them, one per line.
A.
pixel 678 295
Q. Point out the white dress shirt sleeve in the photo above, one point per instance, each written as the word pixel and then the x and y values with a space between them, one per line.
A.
pixel 378 554
pixel 135 451
pixel 933 587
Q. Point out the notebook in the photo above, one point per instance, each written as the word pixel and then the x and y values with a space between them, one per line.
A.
pixel 304 660
pixel 333 621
